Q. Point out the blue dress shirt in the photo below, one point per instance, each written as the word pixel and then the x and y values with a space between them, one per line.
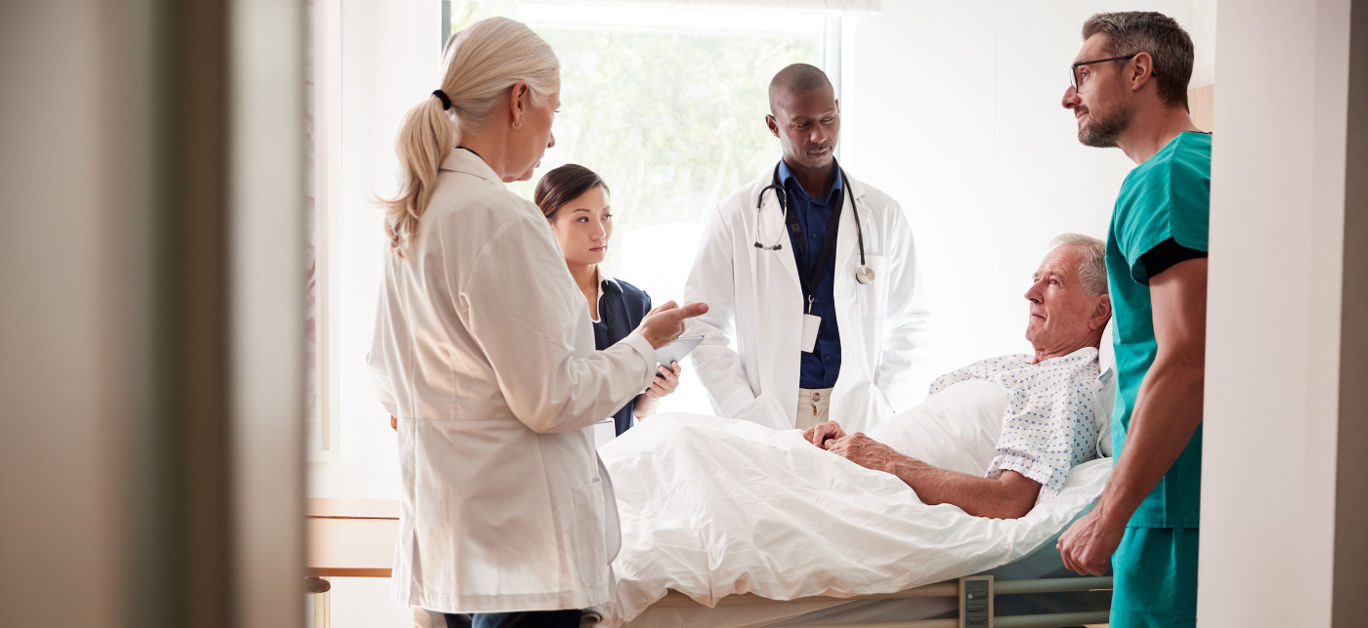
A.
pixel 819 368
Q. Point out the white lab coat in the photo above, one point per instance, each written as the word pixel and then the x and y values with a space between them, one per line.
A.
pixel 749 358
pixel 484 351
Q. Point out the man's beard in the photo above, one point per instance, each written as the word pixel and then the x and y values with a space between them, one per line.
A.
pixel 1104 131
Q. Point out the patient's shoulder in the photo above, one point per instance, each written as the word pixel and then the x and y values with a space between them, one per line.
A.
pixel 982 369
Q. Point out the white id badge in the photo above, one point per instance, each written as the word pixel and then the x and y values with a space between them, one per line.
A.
pixel 810 324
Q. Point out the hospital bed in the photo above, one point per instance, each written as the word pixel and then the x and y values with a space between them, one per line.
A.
pixel 1000 598
pixel 768 530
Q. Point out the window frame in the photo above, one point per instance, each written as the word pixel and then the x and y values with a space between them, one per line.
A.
pixel 325 110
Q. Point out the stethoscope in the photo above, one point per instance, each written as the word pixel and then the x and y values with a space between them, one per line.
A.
pixel 863 273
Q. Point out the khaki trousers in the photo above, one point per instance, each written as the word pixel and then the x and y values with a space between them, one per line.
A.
pixel 814 405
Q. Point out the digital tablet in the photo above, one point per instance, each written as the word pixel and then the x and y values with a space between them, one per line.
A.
pixel 675 351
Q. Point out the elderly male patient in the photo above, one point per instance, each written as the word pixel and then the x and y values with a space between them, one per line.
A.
pixel 1051 417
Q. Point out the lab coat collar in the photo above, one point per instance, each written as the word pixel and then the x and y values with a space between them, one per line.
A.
pixel 857 189
pixel 772 217
pixel 847 240
pixel 464 161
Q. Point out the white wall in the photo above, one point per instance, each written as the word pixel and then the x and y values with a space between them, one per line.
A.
pixel 1277 243
pixel 954 109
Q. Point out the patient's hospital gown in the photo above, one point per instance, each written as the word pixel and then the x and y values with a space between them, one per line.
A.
pixel 1052 419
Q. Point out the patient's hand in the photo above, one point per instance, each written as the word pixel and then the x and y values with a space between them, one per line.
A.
pixel 866 452
pixel 824 433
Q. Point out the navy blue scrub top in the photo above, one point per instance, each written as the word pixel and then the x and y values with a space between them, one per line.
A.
pixel 621 308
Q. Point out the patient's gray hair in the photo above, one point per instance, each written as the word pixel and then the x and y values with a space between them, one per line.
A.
pixel 1092 268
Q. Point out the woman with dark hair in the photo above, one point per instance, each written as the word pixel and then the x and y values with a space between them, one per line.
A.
pixel 574 200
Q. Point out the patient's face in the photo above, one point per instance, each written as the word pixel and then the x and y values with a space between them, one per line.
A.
pixel 1060 307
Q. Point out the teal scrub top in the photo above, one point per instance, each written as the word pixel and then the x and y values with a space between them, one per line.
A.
pixel 1163 202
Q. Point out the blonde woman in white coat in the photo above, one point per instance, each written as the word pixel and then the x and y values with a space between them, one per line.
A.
pixel 484 352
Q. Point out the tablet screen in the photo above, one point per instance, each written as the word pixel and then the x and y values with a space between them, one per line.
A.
pixel 675 351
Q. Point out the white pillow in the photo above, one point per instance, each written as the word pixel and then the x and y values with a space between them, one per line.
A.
pixel 1106 391
pixel 956 429
pixel 1106 352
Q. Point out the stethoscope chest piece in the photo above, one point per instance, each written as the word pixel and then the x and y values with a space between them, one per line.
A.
pixel 864 274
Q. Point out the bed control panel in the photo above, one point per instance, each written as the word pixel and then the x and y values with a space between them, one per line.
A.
pixel 976 601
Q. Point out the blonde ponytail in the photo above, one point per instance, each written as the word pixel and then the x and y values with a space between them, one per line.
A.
pixel 480 63
pixel 425 138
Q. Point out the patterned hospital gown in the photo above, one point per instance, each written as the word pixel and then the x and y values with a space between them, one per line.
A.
pixel 1051 423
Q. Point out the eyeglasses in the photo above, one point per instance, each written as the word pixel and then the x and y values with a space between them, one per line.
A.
pixel 1073 69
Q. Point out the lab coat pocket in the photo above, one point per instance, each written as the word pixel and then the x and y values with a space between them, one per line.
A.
pixel 869 297
pixel 587 534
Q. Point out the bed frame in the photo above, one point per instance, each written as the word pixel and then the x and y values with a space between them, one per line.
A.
pixel 355 538
pixel 977 601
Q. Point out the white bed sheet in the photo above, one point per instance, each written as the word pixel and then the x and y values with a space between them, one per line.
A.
pixel 713 507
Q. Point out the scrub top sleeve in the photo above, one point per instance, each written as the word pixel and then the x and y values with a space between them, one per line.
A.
pixel 1168 202
pixel 1164 256
pixel 1190 189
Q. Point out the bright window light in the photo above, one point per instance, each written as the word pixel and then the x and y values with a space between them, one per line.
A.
pixel 668 105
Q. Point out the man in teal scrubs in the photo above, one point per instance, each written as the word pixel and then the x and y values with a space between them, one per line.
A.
pixel 1130 91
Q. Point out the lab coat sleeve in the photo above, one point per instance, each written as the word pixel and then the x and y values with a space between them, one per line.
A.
pixel 899 375
pixel 382 371
pixel 719 367
pixel 521 306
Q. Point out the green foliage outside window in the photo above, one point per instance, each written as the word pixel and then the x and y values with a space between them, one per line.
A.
pixel 673 121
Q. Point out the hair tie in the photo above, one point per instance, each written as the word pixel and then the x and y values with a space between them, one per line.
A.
pixel 441 95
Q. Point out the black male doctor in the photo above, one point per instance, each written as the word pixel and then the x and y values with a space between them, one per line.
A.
pixel 816 310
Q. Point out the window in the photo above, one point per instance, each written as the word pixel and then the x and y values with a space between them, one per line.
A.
pixel 322 160
pixel 668 106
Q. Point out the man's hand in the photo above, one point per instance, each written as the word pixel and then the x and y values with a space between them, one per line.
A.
pixel 866 452
pixel 394 423
pixel 824 433
pixel 664 324
pixel 1087 546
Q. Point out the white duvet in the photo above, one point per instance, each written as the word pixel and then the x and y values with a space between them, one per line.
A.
pixel 713 507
